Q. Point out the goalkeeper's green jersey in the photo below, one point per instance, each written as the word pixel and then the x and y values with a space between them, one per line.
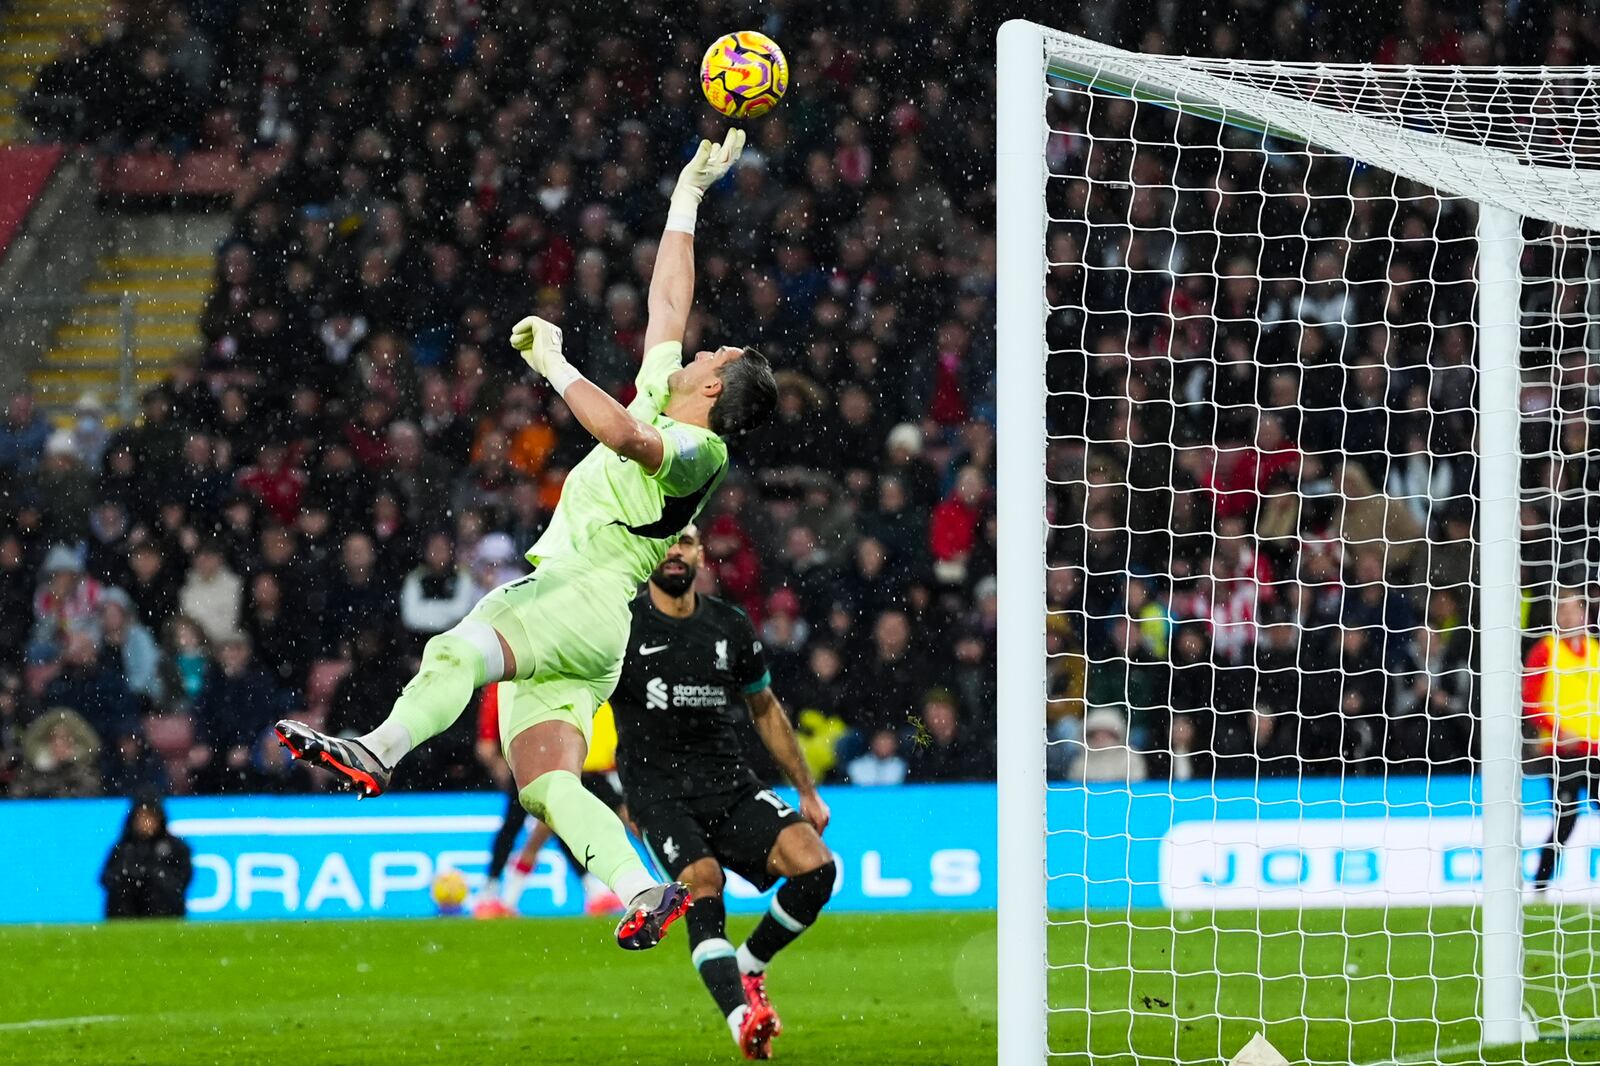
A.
pixel 614 516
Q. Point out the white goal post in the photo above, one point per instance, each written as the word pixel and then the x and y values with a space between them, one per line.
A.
pixel 1522 145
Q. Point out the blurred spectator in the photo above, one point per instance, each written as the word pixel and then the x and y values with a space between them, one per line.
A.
pixel 60 758
pixel 1186 762
pixel 1105 755
pixel 880 686
pixel 239 701
pixel 953 528
pixel 94 687
pixel 1433 723
pixel 881 763
pixel 131 645
pixel 106 547
pixel 494 560
pixel 437 594
pixel 1378 526
pixel 67 604
pixel 276 481
pixel 1256 743
pixel 153 584
pixel 191 659
pixel 212 594
pixel 905 463
pixel 277 632
pixel 358 593
pixel 418 475
pixel 942 751
pixel 23 433
pixel 153 103
pixel 89 433
pixel 65 487
pixel 148 871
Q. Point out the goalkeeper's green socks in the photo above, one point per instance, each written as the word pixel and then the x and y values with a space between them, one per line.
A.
pixel 590 829
pixel 452 668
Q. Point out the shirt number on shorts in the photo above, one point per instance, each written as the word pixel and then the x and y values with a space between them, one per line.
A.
pixel 766 795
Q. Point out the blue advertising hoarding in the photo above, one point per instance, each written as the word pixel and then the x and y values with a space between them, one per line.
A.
pixel 1319 842
pixel 905 848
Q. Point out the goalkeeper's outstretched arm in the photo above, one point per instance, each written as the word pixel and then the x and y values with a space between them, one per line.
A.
pixel 672 280
pixel 671 295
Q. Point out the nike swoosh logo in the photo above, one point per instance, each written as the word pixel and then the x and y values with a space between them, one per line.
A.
pixel 645 649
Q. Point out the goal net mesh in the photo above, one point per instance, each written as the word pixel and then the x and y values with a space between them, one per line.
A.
pixel 1263 465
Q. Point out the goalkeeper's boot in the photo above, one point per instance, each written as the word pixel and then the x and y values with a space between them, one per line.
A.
pixel 349 759
pixel 650 913
pixel 756 1031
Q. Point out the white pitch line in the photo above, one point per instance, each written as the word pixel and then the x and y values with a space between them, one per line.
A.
pixel 55 1023
pixel 1426 1056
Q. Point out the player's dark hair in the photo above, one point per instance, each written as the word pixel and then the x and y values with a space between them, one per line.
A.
pixel 749 396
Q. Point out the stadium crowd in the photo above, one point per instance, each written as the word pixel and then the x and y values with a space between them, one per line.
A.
pixel 356 454
pixel 1263 470
pixel 1261 490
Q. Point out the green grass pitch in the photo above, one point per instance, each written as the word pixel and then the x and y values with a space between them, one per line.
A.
pixel 1358 986
pixel 1155 988
pixel 856 989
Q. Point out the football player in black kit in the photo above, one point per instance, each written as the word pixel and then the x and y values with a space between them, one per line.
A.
pixel 692 660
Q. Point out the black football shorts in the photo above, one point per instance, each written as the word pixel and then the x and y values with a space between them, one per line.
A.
pixel 738 829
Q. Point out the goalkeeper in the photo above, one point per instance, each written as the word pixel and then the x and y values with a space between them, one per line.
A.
pixel 564 628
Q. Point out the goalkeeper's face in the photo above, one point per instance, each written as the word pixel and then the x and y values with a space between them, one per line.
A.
pixel 704 372
pixel 677 571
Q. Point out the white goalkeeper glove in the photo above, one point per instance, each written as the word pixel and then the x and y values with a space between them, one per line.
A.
pixel 539 342
pixel 710 163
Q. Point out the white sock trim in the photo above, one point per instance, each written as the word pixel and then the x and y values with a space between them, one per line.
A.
pixel 784 918
pixel 706 950
pixel 486 642
pixel 748 963
pixel 736 1019
pixel 390 742
pixel 631 882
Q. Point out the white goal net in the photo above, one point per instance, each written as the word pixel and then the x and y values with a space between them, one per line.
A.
pixel 1302 371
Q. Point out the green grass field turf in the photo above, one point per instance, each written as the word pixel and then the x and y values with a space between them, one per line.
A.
pixel 1333 986
pixel 1330 986
pixel 857 989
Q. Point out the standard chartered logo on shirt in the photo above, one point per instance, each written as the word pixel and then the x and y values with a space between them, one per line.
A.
pixel 658 695
pixel 655 694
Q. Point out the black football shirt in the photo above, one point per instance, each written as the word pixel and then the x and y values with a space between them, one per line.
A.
pixel 680 701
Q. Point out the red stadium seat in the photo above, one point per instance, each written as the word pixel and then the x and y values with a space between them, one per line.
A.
pixel 170 735
pixel 266 162
pixel 213 173
pixel 138 174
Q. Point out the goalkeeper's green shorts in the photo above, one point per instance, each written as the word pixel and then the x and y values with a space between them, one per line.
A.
pixel 567 626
